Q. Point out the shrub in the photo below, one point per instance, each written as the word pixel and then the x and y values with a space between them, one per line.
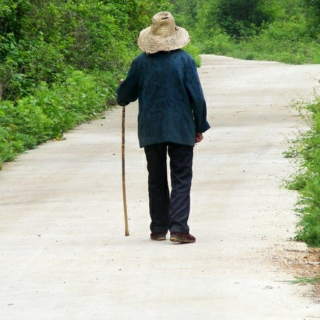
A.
pixel 49 112
pixel 307 179
pixel 243 18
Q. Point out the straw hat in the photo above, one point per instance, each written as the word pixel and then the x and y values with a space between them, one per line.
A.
pixel 163 35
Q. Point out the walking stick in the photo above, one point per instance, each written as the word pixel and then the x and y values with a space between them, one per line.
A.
pixel 124 173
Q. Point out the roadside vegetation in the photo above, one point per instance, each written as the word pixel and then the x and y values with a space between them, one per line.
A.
pixel 60 62
pixel 285 31
pixel 305 150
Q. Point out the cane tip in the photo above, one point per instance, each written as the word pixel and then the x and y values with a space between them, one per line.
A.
pixel 127 234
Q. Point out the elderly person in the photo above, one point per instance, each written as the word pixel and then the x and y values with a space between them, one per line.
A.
pixel 172 117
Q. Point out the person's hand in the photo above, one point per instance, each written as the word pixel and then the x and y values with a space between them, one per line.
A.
pixel 120 81
pixel 199 137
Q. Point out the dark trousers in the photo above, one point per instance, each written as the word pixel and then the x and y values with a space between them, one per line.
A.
pixel 169 211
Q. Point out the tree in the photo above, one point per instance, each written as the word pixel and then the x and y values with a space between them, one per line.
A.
pixel 313 16
pixel 241 18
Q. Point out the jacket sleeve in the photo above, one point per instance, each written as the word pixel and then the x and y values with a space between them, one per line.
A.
pixel 196 97
pixel 128 91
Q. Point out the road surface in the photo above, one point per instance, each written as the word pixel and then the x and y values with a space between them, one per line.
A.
pixel 63 253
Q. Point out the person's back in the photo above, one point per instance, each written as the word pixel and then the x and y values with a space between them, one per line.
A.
pixel 170 97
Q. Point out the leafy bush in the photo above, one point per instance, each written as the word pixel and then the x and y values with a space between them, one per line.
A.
pixel 50 111
pixel 283 41
pixel 307 179
pixel 313 14
pixel 243 18
pixel 219 43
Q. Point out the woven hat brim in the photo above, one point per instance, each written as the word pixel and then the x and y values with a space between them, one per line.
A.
pixel 150 43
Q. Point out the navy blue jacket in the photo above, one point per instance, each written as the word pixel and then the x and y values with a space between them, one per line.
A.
pixel 172 107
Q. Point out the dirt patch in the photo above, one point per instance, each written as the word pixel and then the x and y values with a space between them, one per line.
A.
pixel 303 264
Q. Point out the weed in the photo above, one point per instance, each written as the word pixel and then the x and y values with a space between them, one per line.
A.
pixel 306 280
pixel 307 178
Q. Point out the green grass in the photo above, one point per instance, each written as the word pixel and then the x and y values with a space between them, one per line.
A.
pixel 306 280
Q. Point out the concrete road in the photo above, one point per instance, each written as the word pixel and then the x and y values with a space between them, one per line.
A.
pixel 63 253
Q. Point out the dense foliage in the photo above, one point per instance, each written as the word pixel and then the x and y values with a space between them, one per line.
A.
pixel 59 61
pixel 243 18
pixel 285 31
pixel 313 14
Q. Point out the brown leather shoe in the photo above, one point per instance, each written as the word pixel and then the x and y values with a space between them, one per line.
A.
pixel 182 237
pixel 158 236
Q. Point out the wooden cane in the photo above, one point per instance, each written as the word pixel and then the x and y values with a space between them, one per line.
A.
pixel 124 173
